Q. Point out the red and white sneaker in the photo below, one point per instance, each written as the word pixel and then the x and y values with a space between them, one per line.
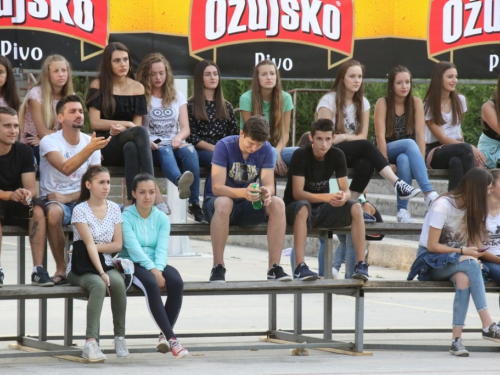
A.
pixel 177 349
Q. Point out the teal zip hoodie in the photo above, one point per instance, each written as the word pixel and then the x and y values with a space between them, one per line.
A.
pixel 145 241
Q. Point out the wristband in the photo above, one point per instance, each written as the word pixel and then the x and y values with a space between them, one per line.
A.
pixel 461 250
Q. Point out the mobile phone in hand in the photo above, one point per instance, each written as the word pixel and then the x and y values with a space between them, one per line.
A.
pixel 157 141
pixel 483 249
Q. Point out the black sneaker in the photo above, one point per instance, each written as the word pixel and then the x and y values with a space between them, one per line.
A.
pixel 493 333
pixel 1 278
pixel 405 191
pixel 458 348
pixel 276 273
pixel 41 277
pixel 218 274
pixel 361 271
pixel 302 272
pixel 198 215
pixel 184 184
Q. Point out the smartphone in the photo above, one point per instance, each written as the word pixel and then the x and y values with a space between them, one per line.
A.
pixel 28 135
pixel 157 141
pixel 483 249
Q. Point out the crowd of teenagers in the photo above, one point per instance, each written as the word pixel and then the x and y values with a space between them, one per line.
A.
pixel 141 121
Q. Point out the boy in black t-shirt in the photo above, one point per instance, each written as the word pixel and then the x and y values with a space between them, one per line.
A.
pixel 18 205
pixel 309 203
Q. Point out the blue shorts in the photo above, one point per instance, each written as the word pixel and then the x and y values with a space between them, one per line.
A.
pixel 243 212
pixel 67 210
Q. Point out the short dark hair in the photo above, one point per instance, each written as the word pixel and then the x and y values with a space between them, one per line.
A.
pixel 67 99
pixel 322 125
pixel 257 128
pixel 8 111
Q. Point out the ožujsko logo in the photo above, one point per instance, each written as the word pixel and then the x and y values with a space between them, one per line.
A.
pixel 326 24
pixel 455 24
pixel 86 20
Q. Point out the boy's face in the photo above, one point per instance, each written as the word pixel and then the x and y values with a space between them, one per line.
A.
pixel 321 142
pixel 248 145
pixel 9 129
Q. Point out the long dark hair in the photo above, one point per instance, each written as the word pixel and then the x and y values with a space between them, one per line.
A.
pixel 89 176
pixel 141 177
pixel 473 191
pixel 105 78
pixel 432 99
pixel 9 89
pixel 198 98
pixel 390 117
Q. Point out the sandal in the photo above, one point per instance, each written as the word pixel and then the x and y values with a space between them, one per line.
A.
pixel 62 280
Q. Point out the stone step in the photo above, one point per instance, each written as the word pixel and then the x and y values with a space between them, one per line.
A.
pixel 379 186
pixel 386 204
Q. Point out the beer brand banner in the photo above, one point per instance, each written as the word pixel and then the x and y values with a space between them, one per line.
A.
pixel 307 39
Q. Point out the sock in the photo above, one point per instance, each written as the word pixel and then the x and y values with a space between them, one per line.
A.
pixel 35 268
pixel 486 330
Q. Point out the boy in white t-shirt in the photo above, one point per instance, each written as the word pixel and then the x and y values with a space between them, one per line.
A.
pixel 64 157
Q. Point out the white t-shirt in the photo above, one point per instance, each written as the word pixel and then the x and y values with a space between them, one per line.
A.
pixel 51 180
pixel 444 215
pixel 452 131
pixel 163 122
pixel 350 123
pixel 493 228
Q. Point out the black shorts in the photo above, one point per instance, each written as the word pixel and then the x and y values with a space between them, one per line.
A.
pixel 322 216
pixel 16 213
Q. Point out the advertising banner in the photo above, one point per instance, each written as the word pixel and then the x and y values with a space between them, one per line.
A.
pixel 307 39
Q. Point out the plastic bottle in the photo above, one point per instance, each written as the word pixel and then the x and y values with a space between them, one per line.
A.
pixel 258 204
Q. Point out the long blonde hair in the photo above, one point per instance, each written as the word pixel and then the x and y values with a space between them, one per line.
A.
pixel 169 94
pixel 48 113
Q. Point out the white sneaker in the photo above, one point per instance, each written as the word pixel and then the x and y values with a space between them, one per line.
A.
pixel 163 346
pixel 335 273
pixel 92 352
pixel 403 216
pixel 121 347
pixel 430 198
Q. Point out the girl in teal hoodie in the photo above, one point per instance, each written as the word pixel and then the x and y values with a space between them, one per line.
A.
pixel 146 231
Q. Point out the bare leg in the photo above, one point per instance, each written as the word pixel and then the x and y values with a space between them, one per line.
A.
pixel 219 227
pixel 358 231
pixel 37 235
pixel 389 175
pixel 55 236
pixel 300 234
pixel 276 228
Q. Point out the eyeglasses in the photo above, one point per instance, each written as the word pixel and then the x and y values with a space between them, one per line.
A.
pixel 244 171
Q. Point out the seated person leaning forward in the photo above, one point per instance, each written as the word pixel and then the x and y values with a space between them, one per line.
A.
pixel 309 203
pixel 238 162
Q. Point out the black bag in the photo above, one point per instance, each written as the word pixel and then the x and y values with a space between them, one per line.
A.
pixel 81 262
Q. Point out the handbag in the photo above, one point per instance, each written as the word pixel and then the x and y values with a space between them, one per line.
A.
pixel 81 262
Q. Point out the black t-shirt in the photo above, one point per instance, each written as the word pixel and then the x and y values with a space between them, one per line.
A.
pixel 487 130
pixel 317 173
pixel 17 161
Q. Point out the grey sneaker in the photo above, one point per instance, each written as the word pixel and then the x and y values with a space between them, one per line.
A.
pixel 184 184
pixel 163 345
pixel 92 352
pixel 493 333
pixel 1 278
pixel 403 216
pixel 163 207
pixel 121 347
pixel 458 348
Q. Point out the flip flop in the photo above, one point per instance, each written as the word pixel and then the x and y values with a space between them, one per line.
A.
pixel 62 280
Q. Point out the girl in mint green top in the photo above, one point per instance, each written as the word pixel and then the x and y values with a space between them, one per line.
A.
pixel 267 98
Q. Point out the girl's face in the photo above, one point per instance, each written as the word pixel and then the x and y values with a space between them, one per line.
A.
pixel 120 64
pixel 353 78
pixel 210 77
pixel 402 84
pixel 58 73
pixel 99 186
pixel 158 74
pixel 144 194
pixel 450 79
pixel 267 76
pixel 3 75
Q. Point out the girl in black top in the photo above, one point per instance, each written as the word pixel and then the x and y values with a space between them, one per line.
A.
pixel 489 141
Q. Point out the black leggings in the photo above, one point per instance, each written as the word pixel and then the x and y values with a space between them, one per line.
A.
pixel 458 158
pixel 130 149
pixel 362 156
pixel 164 316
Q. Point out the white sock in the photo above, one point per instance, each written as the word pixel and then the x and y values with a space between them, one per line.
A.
pixel 35 270
pixel 485 330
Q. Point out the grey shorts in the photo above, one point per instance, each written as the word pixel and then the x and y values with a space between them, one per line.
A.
pixel 322 216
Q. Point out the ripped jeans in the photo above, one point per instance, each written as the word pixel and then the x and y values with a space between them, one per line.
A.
pixel 172 161
pixel 462 296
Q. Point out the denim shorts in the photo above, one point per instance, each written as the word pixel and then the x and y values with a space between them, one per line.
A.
pixel 243 212
pixel 67 210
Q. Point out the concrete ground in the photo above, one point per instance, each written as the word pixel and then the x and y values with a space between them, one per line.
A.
pixel 229 313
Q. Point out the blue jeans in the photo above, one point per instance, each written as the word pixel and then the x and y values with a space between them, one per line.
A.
pixel 407 157
pixel 462 296
pixel 167 158
pixel 205 158
pixel 345 242
pixel 493 271
pixel 286 155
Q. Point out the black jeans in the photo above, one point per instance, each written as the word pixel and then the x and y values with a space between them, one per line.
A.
pixel 458 158
pixel 362 156
pixel 164 316
pixel 130 149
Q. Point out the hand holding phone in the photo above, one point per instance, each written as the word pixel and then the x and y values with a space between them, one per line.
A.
pixel 483 249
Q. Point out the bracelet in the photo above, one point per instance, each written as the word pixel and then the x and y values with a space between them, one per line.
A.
pixel 461 250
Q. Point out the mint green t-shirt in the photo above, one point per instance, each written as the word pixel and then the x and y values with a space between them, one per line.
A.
pixel 246 105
